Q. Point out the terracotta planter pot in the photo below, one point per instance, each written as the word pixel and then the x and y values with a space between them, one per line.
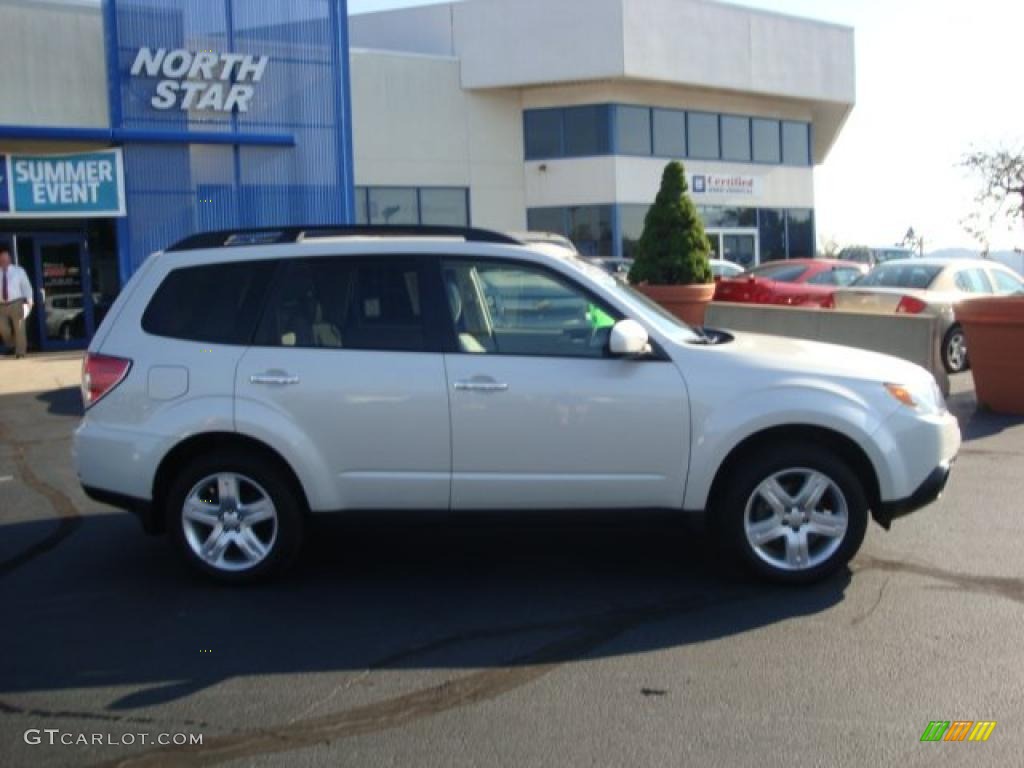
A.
pixel 687 302
pixel 995 343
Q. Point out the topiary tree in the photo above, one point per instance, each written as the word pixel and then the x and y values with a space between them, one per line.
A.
pixel 673 249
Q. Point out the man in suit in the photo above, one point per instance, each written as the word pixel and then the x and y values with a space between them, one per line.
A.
pixel 15 296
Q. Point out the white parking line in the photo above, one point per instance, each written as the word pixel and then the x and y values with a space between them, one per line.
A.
pixel 6 478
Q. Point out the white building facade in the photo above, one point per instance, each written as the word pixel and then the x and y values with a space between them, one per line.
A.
pixel 560 115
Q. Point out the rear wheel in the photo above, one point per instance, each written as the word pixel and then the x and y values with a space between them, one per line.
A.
pixel 954 350
pixel 795 515
pixel 235 517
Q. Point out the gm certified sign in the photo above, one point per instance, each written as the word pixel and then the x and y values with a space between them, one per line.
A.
pixel 63 186
pixel 204 81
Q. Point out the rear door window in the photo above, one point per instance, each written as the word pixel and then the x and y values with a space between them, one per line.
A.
pixel 347 303
pixel 973 281
pixel 214 303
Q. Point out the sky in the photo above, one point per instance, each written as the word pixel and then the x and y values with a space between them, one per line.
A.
pixel 935 79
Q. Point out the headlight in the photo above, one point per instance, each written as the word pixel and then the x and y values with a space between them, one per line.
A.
pixel 921 397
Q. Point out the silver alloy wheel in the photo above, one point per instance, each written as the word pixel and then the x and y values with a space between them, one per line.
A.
pixel 956 351
pixel 796 519
pixel 230 522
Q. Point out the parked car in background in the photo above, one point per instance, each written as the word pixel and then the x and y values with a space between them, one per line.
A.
pixel 544 239
pixel 725 268
pixel 930 287
pixel 244 382
pixel 871 257
pixel 65 315
pixel 613 266
pixel 790 282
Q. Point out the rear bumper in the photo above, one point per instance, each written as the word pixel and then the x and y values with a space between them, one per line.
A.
pixel 926 493
pixel 142 509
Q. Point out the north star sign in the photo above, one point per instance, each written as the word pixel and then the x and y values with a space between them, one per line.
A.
pixel 216 82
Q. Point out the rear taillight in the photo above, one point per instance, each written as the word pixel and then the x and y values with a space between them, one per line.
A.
pixel 910 306
pixel 829 302
pixel 100 374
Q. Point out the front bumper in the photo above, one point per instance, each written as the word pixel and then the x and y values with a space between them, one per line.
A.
pixel 926 493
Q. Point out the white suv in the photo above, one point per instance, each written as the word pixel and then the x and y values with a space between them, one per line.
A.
pixel 244 382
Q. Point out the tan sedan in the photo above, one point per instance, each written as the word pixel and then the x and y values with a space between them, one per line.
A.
pixel 933 287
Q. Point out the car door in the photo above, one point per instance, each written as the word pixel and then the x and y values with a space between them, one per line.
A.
pixel 542 416
pixel 346 370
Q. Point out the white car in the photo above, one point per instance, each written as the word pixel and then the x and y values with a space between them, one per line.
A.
pixel 242 383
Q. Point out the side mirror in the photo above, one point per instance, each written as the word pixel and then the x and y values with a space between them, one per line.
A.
pixel 628 339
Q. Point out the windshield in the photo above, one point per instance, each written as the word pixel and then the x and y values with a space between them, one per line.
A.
pixel 900 275
pixel 663 321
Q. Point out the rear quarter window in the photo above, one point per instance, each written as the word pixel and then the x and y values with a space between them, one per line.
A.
pixel 215 303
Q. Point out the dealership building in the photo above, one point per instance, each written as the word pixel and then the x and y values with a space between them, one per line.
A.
pixel 127 124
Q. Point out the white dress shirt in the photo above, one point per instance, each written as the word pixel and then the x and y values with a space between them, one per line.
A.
pixel 18 286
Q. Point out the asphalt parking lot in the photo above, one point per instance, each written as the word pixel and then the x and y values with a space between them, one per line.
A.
pixel 617 641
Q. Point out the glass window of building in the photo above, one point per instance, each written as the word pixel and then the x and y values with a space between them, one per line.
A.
pixel 446 207
pixel 587 131
pixel 800 233
pixel 735 138
pixel 796 144
pixel 766 140
pixel 547 220
pixel 772 232
pixel 362 206
pixel 543 128
pixel 590 228
pixel 393 206
pixel 725 217
pixel 669 133
pixel 702 135
pixel 633 131
pixel 631 223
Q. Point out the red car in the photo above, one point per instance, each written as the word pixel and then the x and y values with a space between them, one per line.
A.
pixel 791 282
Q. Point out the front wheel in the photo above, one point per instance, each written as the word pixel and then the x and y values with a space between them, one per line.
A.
pixel 794 515
pixel 954 350
pixel 235 517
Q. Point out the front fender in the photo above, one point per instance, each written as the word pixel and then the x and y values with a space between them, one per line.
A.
pixel 720 428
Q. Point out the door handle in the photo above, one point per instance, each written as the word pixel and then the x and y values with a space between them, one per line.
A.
pixel 274 378
pixel 480 385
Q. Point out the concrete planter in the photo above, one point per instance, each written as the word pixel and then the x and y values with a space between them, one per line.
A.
pixel 995 338
pixel 687 302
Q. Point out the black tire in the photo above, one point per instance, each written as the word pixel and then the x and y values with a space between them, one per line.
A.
pixel 257 472
pixel 729 511
pixel 950 360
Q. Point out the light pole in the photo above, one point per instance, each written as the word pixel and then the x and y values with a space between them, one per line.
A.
pixel 912 239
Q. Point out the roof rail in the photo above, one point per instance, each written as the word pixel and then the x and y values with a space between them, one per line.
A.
pixel 278 235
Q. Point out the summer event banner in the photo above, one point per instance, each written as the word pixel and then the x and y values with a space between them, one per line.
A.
pixel 82 185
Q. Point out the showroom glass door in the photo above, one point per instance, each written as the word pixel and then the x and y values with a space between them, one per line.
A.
pixel 739 246
pixel 64 307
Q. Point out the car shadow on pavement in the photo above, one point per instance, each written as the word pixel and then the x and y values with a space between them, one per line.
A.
pixel 113 608
pixel 62 402
pixel 977 422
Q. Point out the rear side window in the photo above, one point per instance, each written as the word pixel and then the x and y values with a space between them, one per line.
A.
pixel 783 273
pixel 344 303
pixel 901 275
pixel 215 303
